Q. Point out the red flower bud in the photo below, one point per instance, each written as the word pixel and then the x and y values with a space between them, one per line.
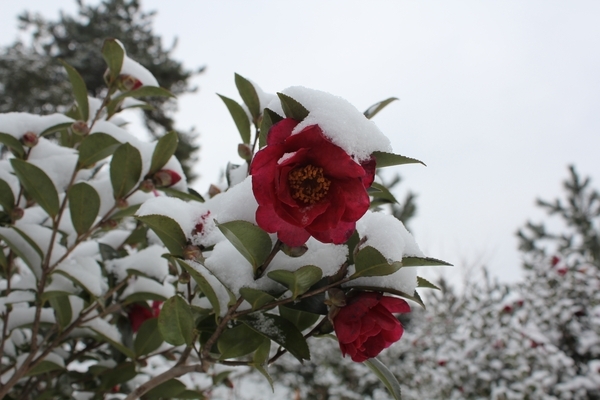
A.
pixel 17 213
pixel 122 204
pixel 366 325
pixel 147 186
pixel 139 313
pixel 29 139
pixel 441 363
pixel 562 271
pixel 128 82
pixel 555 260
pixel 165 178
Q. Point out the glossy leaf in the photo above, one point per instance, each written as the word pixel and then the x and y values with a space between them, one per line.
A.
pixel 256 298
pixel 13 144
pixel 125 170
pixel 39 186
pixel 370 262
pixel 7 198
pixel 164 150
pixel 79 91
pixel 238 341
pixel 113 54
pixel 148 338
pixel 96 147
pixel 62 310
pixel 176 321
pixel 269 119
pixel 191 195
pixel 119 346
pixel 292 108
pixel 281 331
pixel 375 108
pixel 301 319
pixel 248 94
pixel 380 192
pixel 384 159
pixel 30 242
pixel 423 261
pixel 170 389
pixel 204 286
pixel 84 204
pixel 298 281
pixel 121 373
pixel 385 376
pixel 33 264
pixel 126 212
pixel 168 231
pixel 43 367
pixel 239 117
pixel 56 128
pixel 251 241
pixel 424 283
pixel 144 91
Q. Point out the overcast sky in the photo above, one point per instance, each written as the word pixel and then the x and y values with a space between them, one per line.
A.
pixel 497 98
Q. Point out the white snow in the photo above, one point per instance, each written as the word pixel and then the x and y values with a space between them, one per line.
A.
pixel 87 273
pixel 140 284
pixel 147 261
pixel 17 124
pixel 340 121
pixel 135 69
pixel 21 316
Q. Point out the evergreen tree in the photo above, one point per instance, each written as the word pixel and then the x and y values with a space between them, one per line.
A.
pixel 34 81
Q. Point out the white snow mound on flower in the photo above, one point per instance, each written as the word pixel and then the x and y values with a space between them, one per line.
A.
pixel 340 121
pixel 388 235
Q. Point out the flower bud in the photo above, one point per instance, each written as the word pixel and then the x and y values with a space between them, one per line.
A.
pixel 213 191
pixel 191 252
pixel 16 213
pixel 294 251
pixel 184 278
pixel 80 128
pixel 109 224
pixel 166 178
pixel 147 186
pixel 29 139
pixel 128 82
pixel 122 204
pixel 244 151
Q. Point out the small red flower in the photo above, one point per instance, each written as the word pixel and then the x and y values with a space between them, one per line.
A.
pixel 307 186
pixel 366 326
pixel 139 313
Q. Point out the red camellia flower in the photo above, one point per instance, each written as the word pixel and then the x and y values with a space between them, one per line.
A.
pixel 366 326
pixel 138 314
pixel 307 186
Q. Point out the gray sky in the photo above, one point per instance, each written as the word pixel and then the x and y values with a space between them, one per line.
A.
pixel 497 98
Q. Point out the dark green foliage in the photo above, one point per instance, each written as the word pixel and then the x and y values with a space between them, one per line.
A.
pixel 35 81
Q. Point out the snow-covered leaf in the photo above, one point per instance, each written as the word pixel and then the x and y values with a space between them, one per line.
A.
pixel 251 241
pixel 370 262
pixel 13 144
pixel 113 54
pixel 204 286
pixel 298 281
pixel 239 117
pixel 168 231
pixel 248 94
pixel 164 150
pixel 96 147
pixel 256 298
pixel 292 108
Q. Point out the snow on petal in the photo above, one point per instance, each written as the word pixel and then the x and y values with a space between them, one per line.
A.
pixel 340 121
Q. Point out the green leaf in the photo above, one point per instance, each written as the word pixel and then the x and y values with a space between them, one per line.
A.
pixel 239 117
pixel 125 170
pixel 384 159
pixel 423 262
pixel 375 108
pixel 148 338
pixel 422 282
pixel 352 243
pixel 113 54
pixel 84 204
pixel 238 341
pixel 44 367
pixel 261 355
pixel 385 376
pixel 168 231
pixel 176 321
pixel 119 346
pixel 165 148
pixel 191 195
pixel 301 319
pixel 191 394
pixel 256 298
pixel 265 373
pixel 3 260
pixel 414 297
pixel 166 390
pixel 144 91
pixel 38 185
pixel 121 373
pixel 269 119
pixel 204 286
pixel 33 264
pixel 126 212
pixel 298 281
pixel 249 95
pixel 56 128
pixel 281 331
pixel 380 192
pixel 251 241
pixel 79 91
pixel 291 108
pixel 142 296
pixel 62 310
pixel 13 144
pixel 370 262
pixel 96 147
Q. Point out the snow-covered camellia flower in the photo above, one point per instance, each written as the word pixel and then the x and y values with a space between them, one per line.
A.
pixel 366 326
pixel 307 186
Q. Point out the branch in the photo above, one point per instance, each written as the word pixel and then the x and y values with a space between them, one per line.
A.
pixel 165 376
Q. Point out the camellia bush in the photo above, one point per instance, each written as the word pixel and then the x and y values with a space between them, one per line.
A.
pixel 118 281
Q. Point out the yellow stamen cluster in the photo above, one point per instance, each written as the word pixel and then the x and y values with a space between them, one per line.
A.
pixel 307 184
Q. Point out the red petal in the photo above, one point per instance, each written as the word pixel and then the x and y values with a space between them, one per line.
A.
pixel 374 346
pixel 384 318
pixel 395 305
pixel 369 167
pixel 281 131
pixel 347 330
